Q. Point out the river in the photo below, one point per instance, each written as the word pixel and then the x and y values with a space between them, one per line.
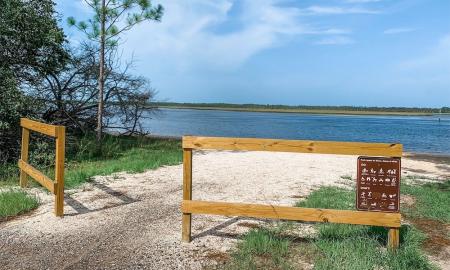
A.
pixel 421 134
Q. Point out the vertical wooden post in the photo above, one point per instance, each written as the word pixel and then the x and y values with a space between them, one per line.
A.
pixel 24 156
pixel 187 194
pixel 393 238
pixel 59 170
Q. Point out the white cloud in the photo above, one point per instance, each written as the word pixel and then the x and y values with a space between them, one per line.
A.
pixel 220 34
pixel 399 30
pixel 437 58
pixel 432 68
pixel 362 1
pixel 198 33
pixel 188 32
pixel 335 40
pixel 336 10
pixel 328 31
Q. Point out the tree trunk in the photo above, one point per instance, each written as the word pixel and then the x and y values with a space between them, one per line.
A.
pixel 101 79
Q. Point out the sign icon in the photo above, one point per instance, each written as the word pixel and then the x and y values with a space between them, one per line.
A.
pixel 378 186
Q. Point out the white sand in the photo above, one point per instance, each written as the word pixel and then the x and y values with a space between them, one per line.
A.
pixel 133 221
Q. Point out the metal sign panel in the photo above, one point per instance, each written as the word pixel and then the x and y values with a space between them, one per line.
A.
pixel 378 184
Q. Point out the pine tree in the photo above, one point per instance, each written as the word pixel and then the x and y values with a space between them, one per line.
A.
pixel 106 26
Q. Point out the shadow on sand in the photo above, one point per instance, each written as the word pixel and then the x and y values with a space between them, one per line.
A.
pixel 82 209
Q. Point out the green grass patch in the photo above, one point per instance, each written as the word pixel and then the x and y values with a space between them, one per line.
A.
pixel 14 202
pixel 361 247
pixel 329 197
pixel 119 153
pixel 127 154
pixel 431 201
pixel 262 248
pixel 342 246
pixel 84 161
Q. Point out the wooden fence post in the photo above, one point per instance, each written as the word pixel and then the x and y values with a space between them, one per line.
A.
pixel 393 238
pixel 59 170
pixel 24 155
pixel 187 194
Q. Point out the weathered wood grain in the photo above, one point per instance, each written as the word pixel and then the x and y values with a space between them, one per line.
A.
pixel 298 146
pixel 24 156
pixel 59 170
pixel 292 213
pixel 46 129
pixel 187 193
pixel 393 238
pixel 38 176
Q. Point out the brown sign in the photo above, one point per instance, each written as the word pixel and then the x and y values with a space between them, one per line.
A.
pixel 378 184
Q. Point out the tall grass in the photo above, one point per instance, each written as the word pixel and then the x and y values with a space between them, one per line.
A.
pixel 83 162
pixel 127 154
pixel 119 153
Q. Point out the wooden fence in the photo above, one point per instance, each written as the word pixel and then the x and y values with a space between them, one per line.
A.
pixel 57 186
pixel 189 206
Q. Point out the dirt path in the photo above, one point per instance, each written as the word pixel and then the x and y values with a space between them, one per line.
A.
pixel 133 221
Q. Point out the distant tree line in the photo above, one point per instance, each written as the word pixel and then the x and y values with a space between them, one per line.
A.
pixel 304 107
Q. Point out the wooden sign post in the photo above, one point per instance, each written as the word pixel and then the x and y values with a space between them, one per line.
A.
pixel 378 188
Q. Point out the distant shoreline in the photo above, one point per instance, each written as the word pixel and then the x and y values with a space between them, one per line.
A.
pixel 303 111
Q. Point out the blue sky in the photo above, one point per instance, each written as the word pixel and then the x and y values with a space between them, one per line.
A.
pixel 342 52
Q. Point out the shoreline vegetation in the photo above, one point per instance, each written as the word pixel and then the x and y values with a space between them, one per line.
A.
pixel 344 110
pixel 277 245
pixel 83 164
pixel 355 246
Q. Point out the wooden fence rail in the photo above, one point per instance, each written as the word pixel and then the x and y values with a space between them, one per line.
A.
pixel 189 206
pixel 56 187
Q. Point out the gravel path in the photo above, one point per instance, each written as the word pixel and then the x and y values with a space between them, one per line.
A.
pixel 133 221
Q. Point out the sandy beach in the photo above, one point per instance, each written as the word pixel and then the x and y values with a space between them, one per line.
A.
pixel 134 220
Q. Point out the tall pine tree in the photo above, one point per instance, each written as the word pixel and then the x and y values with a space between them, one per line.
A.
pixel 111 19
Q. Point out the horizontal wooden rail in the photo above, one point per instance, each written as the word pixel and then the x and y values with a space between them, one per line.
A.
pixel 46 129
pixel 38 176
pixel 292 213
pixel 298 146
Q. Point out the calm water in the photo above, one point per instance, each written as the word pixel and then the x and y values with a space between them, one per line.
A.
pixel 417 133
